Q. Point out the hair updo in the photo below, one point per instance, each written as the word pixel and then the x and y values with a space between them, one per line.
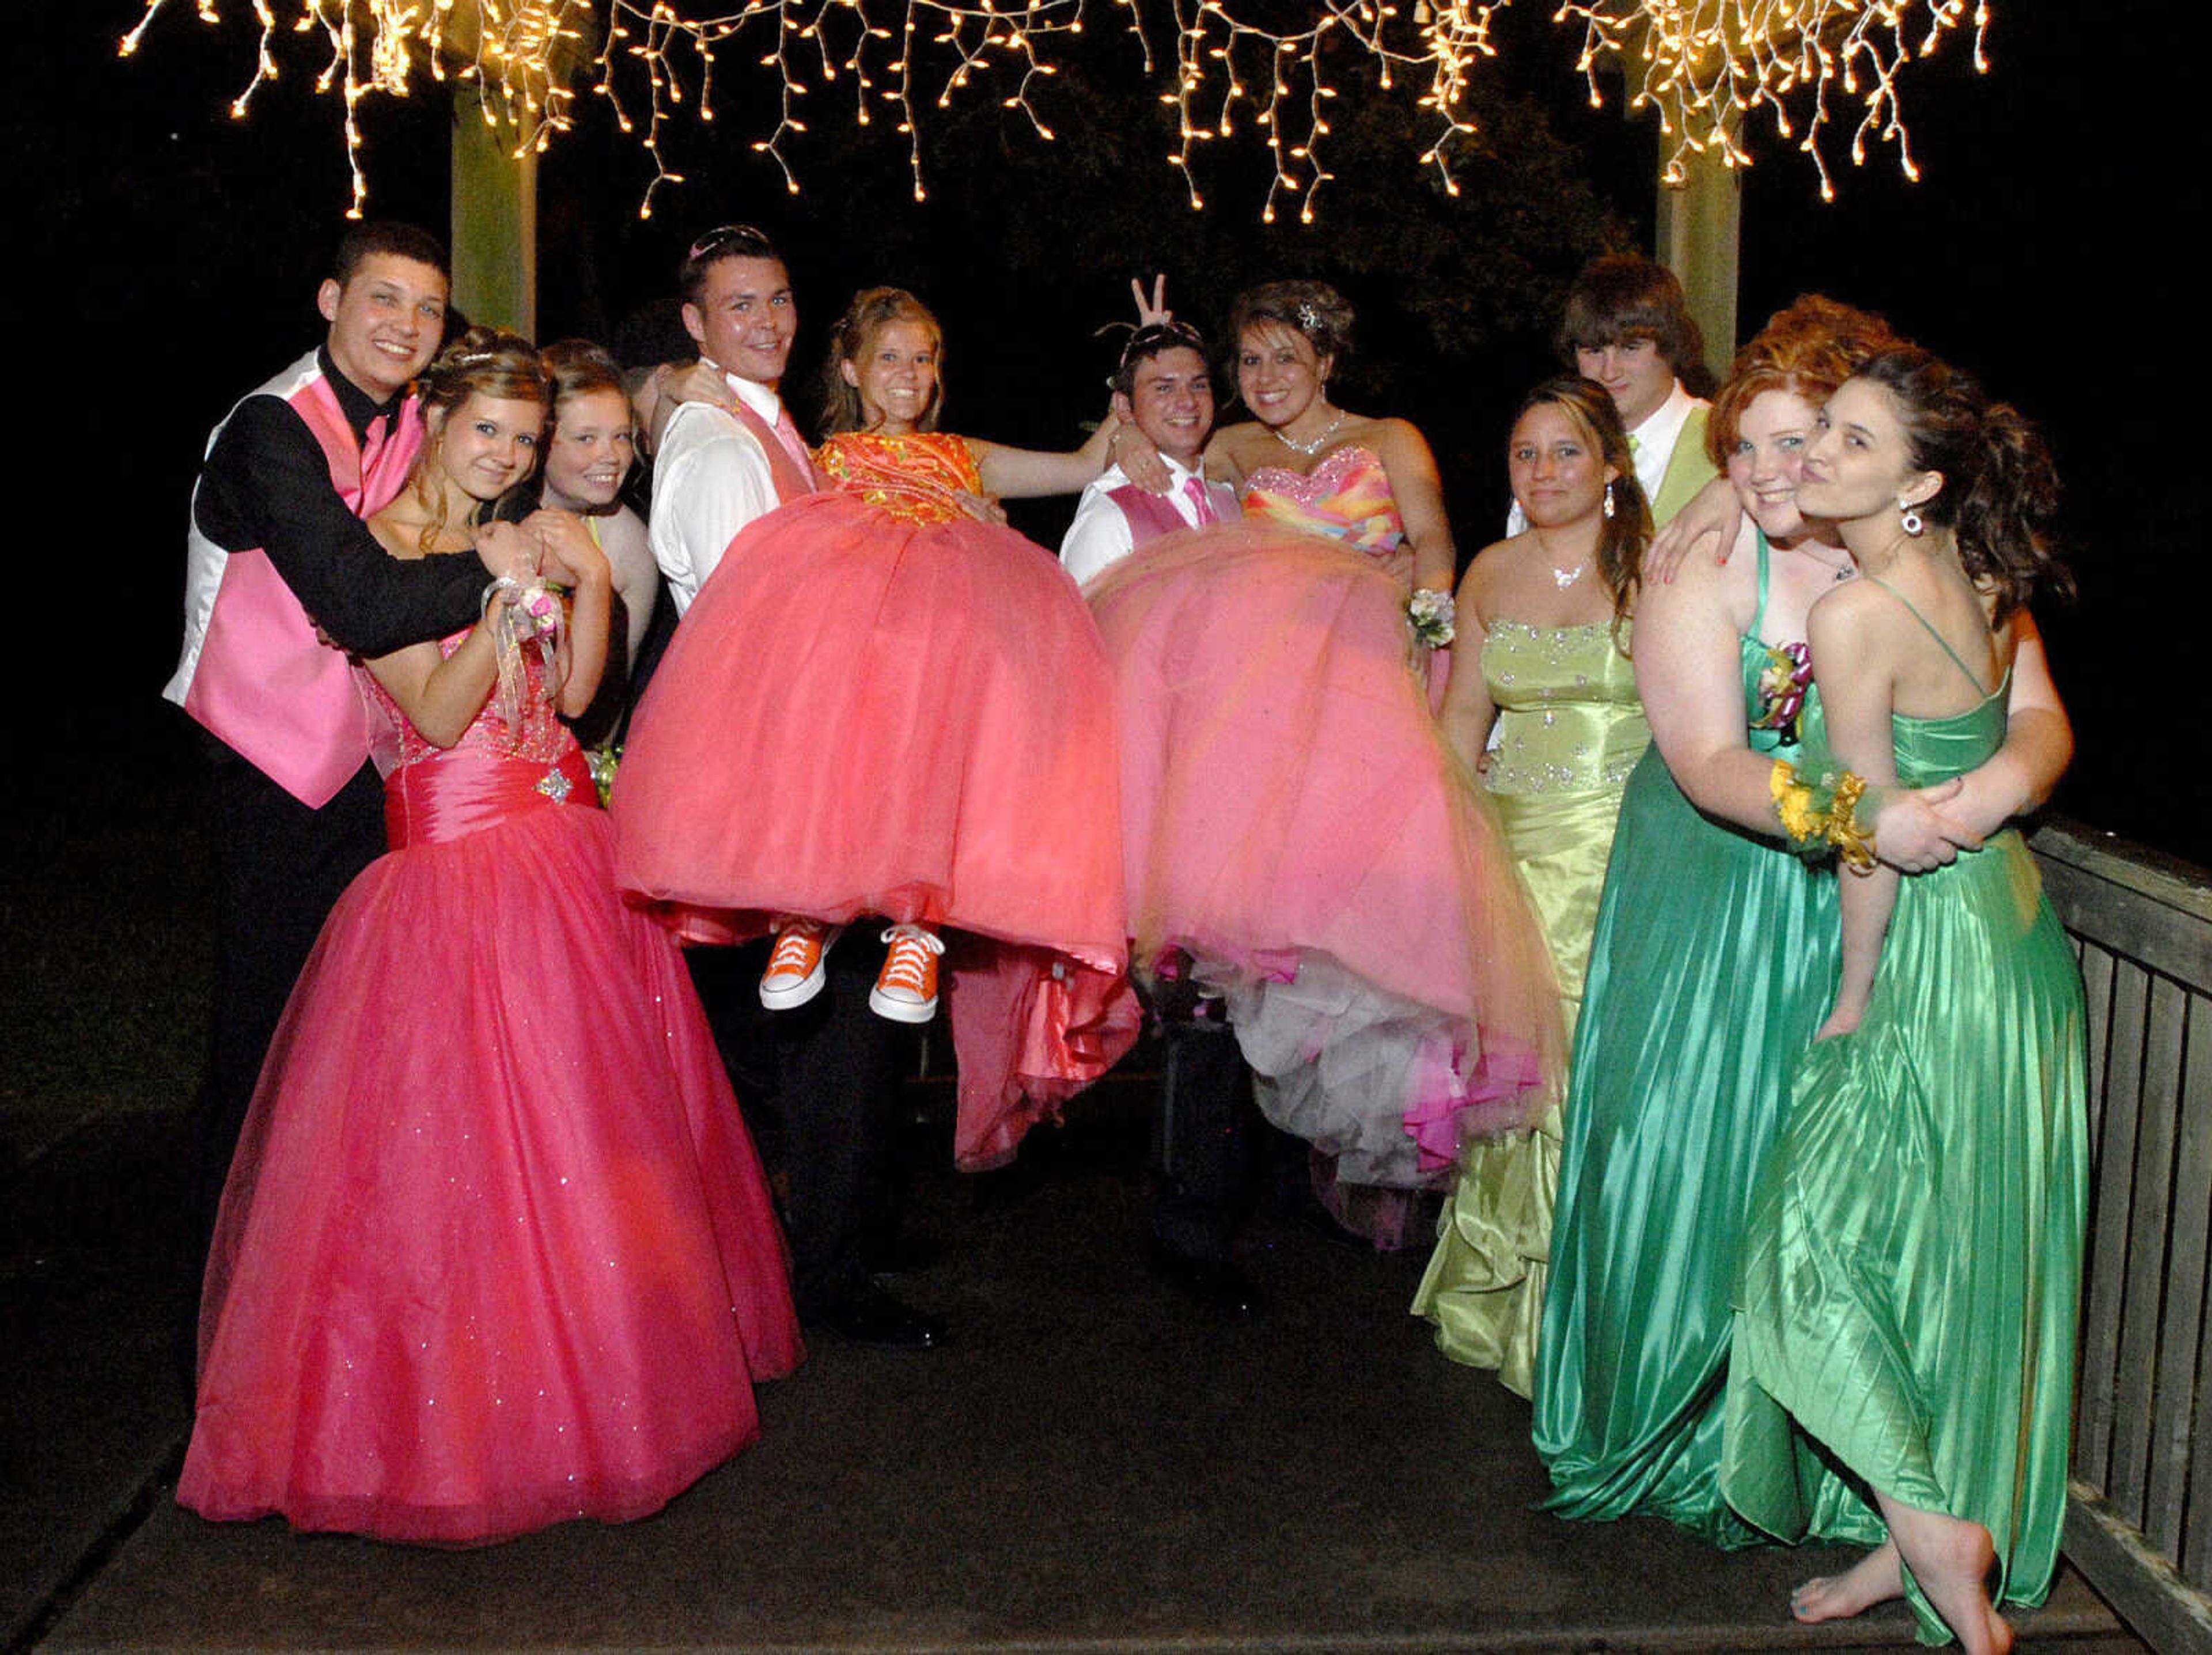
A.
pixel 486 361
pixel 1314 309
pixel 2000 490
pixel 577 367
pixel 873 310
pixel 1807 349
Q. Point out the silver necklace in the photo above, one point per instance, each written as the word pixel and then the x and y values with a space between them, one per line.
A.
pixel 1563 578
pixel 1309 449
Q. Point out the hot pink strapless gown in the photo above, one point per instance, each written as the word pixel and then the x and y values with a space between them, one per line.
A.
pixel 495 1251
pixel 1296 824
pixel 879 706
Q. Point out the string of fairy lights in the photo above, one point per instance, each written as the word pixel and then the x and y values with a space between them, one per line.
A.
pixel 1708 68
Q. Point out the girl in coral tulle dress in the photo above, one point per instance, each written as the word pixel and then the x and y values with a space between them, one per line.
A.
pixel 1299 836
pixel 495 1251
pixel 883 705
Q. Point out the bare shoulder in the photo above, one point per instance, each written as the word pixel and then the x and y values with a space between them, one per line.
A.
pixel 1491 568
pixel 1244 446
pixel 1705 588
pixel 1855 616
pixel 1388 436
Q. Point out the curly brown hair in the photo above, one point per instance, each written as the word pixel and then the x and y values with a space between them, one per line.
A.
pixel 2000 492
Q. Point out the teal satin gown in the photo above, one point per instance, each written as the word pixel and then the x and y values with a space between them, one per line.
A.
pixel 1912 1268
pixel 1570 730
pixel 1714 960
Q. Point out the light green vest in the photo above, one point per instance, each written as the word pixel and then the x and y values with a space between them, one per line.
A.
pixel 1688 469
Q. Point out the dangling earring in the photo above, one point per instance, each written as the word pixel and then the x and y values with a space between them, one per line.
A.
pixel 1910 521
pixel 1608 499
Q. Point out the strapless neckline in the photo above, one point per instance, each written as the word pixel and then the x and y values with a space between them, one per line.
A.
pixel 1310 488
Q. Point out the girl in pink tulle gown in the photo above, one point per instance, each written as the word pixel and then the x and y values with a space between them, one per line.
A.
pixel 1298 836
pixel 881 705
pixel 495 1251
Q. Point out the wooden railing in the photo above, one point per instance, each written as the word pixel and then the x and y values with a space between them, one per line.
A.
pixel 2139 1522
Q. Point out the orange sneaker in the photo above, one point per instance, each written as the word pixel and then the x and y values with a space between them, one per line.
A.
pixel 794 974
pixel 905 988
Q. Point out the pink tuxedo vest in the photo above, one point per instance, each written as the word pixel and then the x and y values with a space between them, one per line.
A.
pixel 253 672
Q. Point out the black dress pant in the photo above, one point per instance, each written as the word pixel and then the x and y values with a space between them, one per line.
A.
pixel 1203 1139
pixel 280 868
pixel 819 1086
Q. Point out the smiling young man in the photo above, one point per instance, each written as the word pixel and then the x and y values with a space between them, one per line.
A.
pixel 716 469
pixel 278 549
pixel 1164 388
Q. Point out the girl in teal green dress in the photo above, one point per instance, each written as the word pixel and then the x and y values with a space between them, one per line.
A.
pixel 1907 1288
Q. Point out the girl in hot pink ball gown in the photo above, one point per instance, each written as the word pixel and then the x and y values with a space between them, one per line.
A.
pixel 881 706
pixel 495 1251
pixel 1298 835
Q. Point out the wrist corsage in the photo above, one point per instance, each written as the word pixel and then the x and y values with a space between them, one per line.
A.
pixel 1434 616
pixel 1822 814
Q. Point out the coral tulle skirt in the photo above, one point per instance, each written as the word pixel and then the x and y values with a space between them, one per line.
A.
pixel 1295 825
pixel 863 715
pixel 495 1251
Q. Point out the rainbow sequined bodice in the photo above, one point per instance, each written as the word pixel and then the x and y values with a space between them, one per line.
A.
pixel 1346 497
pixel 543 738
pixel 915 477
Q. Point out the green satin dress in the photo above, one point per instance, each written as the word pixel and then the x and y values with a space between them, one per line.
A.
pixel 1713 962
pixel 1911 1267
pixel 1571 729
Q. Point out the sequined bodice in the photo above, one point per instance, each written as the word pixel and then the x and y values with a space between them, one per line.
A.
pixel 915 477
pixel 543 738
pixel 1568 716
pixel 1346 497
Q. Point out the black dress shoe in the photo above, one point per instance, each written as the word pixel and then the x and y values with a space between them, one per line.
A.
pixel 869 1316
pixel 1214 1283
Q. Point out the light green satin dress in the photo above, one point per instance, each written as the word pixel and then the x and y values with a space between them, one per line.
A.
pixel 1713 962
pixel 1571 729
pixel 1912 1264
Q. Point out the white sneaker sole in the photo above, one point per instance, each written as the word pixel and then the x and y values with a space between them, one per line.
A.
pixel 901 1011
pixel 793 994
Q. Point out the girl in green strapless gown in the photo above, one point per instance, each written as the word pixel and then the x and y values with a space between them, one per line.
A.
pixel 1907 1303
pixel 1544 612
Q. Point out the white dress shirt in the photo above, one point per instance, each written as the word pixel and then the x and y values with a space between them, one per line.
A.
pixel 1652 443
pixel 710 479
pixel 1100 536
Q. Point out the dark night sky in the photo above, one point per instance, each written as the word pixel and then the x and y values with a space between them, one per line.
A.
pixel 180 250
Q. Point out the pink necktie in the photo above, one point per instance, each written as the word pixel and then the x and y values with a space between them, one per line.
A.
pixel 787 433
pixel 1195 488
pixel 371 443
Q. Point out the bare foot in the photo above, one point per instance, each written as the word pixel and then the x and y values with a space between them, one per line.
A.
pixel 1875 1579
pixel 1951 1559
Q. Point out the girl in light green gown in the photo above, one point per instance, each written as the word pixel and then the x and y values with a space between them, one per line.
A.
pixel 1907 1296
pixel 1713 962
pixel 1543 630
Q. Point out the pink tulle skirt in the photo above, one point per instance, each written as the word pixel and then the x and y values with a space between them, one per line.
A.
pixel 1295 825
pixel 495 1251
pixel 866 716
